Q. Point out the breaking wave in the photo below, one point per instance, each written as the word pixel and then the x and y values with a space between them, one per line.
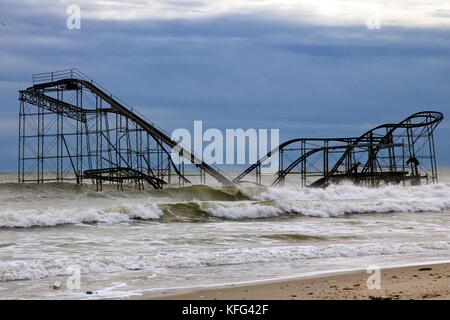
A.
pixel 33 207
pixel 53 217
pixel 198 257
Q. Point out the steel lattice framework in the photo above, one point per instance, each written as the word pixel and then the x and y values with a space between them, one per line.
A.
pixel 389 153
pixel 71 129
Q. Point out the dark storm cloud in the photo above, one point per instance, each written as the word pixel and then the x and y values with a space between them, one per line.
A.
pixel 236 71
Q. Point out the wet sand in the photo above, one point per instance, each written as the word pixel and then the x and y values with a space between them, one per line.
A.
pixel 417 282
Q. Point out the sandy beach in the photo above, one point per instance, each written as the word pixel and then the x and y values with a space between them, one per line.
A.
pixel 414 282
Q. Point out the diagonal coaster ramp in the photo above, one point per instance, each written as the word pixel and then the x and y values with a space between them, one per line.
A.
pixel 108 140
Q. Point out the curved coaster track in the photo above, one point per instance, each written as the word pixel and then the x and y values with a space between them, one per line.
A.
pixel 71 129
pixel 388 153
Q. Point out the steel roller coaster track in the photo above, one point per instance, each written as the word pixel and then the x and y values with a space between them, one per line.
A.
pixel 388 153
pixel 71 129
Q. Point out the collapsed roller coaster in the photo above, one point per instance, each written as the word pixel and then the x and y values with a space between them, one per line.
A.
pixel 389 153
pixel 71 129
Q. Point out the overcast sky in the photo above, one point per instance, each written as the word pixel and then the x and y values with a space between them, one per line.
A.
pixel 309 68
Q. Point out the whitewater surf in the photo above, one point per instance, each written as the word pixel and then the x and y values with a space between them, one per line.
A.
pixel 133 242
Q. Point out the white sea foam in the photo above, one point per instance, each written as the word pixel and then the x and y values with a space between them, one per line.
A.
pixel 56 216
pixel 353 192
pixel 266 203
pixel 202 257
pixel 337 201
pixel 244 210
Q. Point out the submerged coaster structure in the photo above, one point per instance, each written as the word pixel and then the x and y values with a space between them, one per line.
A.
pixel 390 153
pixel 71 129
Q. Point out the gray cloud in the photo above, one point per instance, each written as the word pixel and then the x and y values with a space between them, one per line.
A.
pixel 237 71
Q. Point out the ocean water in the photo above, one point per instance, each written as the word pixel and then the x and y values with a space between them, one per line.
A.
pixel 156 241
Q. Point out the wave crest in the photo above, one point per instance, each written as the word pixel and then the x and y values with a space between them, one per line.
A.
pixel 203 204
pixel 197 257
